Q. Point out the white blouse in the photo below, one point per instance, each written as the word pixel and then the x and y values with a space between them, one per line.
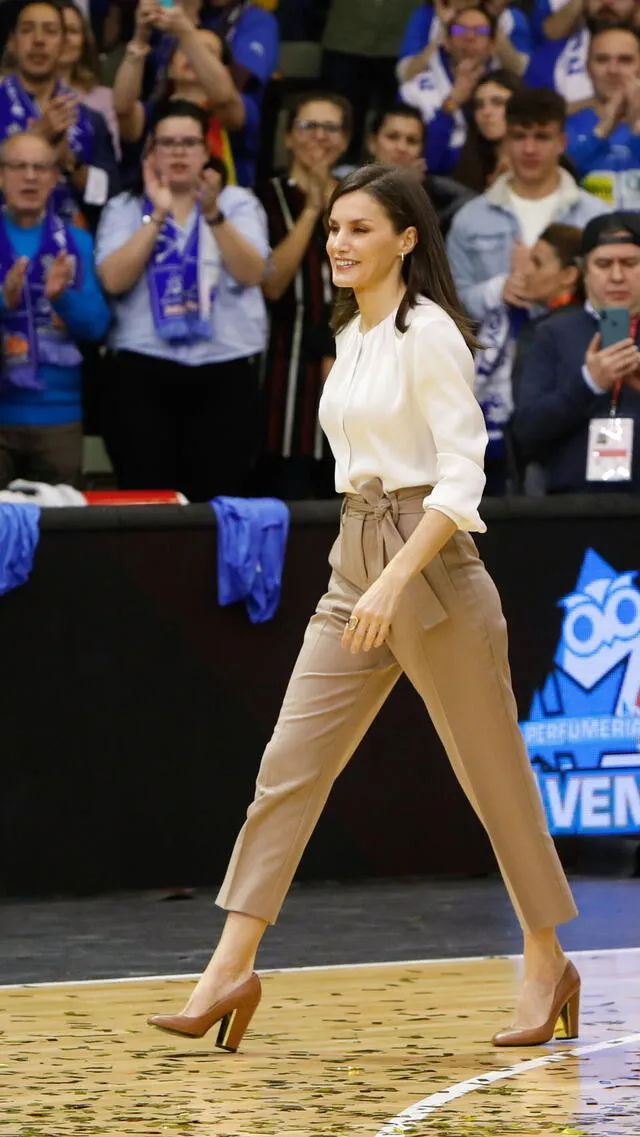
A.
pixel 401 407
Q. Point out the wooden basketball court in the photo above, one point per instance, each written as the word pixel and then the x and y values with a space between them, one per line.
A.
pixel 331 1052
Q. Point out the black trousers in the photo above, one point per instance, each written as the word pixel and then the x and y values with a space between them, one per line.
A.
pixel 366 81
pixel 169 426
pixel 41 454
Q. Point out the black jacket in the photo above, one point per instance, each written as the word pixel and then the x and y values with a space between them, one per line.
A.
pixel 554 405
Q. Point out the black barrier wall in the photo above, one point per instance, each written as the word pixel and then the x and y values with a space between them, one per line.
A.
pixel 134 710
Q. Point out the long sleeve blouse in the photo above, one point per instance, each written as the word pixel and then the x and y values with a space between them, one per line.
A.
pixel 400 407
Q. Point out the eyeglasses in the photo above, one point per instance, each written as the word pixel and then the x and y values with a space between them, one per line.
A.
pixel 309 125
pixel 188 143
pixel 18 167
pixel 463 30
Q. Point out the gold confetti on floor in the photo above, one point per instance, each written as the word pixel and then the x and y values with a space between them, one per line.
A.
pixel 330 1054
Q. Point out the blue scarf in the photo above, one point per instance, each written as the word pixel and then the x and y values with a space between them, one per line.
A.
pixel 32 333
pixel 498 333
pixel 17 106
pixel 182 286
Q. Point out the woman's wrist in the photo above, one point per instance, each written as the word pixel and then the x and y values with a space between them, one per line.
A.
pixel 137 49
pixel 157 216
pixel 397 573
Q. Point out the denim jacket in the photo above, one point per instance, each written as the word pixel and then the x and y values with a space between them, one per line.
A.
pixel 483 232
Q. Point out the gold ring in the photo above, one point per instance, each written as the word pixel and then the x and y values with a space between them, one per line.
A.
pixel 352 623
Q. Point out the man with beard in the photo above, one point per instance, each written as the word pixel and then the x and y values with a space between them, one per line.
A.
pixel 604 139
pixel 565 28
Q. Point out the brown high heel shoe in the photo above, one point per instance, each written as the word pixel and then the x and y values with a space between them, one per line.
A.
pixel 565 1006
pixel 234 1013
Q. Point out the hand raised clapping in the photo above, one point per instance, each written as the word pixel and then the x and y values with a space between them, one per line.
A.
pixel 59 114
pixel 210 188
pixel 59 276
pixel 14 282
pixel 515 288
pixel 156 188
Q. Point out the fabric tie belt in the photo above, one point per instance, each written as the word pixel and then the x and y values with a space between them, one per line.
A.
pixel 373 503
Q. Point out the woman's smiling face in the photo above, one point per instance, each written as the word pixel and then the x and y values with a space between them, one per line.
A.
pixel 362 245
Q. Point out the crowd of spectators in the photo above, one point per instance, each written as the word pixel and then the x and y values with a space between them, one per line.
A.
pixel 165 173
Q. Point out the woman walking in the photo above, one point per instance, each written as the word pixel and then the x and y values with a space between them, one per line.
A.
pixel 408 593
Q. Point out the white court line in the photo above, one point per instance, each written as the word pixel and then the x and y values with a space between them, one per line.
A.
pixel 593 953
pixel 403 1122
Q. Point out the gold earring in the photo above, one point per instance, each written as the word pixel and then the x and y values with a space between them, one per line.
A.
pixel 402 257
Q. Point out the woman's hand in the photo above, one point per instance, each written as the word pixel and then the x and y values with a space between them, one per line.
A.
pixel 156 188
pixel 210 189
pixel 173 21
pixel 147 13
pixel 374 613
pixel 319 187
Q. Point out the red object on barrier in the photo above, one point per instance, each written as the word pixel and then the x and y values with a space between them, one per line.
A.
pixel 135 497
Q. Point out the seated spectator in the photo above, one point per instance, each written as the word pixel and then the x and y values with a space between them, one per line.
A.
pixel 78 68
pixel 50 300
pixel 427 30
pixel 443 89
pixel 183 260
pixel 397 138
pixel 33 98
pixel 553 282
pixel 569 380
pixel 295 460
pixel 604 139
pixel 197 70
pixel 481 159
pixel 361 43
pixel 565 28
pixel 490 240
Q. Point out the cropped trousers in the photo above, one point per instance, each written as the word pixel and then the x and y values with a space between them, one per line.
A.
pixel 449 637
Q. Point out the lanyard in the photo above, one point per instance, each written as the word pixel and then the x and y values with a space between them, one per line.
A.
pixel 615 397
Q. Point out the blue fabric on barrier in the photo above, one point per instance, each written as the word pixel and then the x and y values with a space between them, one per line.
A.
pixel 252 538
pixel 19 535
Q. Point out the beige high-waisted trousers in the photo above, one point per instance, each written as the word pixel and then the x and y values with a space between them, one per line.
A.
pixel 449 637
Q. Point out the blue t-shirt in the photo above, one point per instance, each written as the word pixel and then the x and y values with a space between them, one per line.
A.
pixel 86 314
pixel 424 26
pixel 609 167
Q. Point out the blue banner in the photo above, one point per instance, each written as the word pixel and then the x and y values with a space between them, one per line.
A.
pixel 583 730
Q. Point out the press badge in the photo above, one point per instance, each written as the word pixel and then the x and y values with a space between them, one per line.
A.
pixel 610 449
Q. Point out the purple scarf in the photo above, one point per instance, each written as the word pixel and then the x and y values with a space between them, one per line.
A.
pixel 17 106
pixel 32 333
pixel 182 285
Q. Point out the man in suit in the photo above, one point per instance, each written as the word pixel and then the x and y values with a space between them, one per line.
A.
pixel 570 379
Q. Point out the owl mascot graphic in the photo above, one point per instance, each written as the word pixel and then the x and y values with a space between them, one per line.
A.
pixel 597 671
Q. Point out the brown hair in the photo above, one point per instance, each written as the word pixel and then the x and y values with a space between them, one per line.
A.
pixel 425 270
pixel 85 72
pixel 478 158
pixel 535 106
pixel 566 242
pixel 299 101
